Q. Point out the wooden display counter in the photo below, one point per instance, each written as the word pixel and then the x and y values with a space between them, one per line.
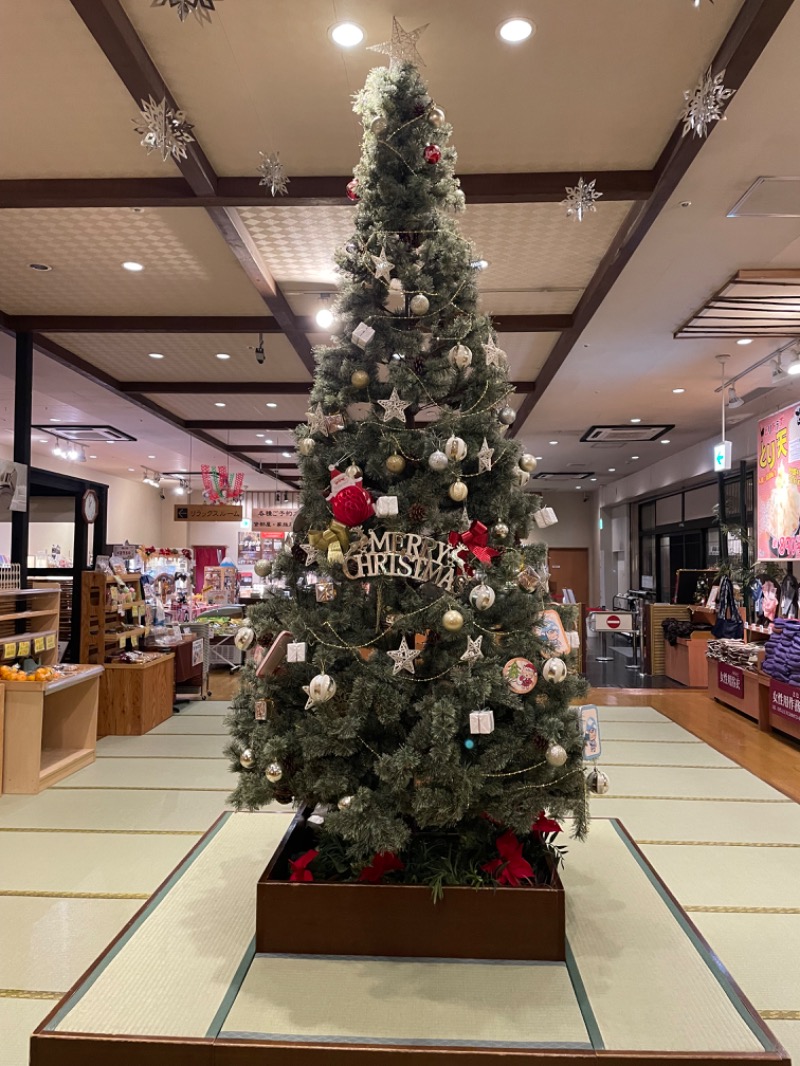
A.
pixel 686 662
pixel 746 691
pixel 50 729
pixel 136 697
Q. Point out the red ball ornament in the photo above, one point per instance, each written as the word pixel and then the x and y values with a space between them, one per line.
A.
pixel 352 190
pixel 352 506
pixel 432 153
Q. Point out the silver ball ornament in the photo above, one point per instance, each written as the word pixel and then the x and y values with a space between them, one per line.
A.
pixel 507 415
pixel 273 772
pixel 458 491
pixel 456 449
pixel 353 471
pixel 345 803
pixel 556 755
pixel 500 530
pixel 438 461
pixel 395 464
pixel 243 638
pixel 436 117
pixel 597 781
pixel 378 125
pixel 555 670
pixel 321 688
pixel 306 446
pixel 482 597
pixel 528 462
pixel 262 567
pixel 247 759
pixel 419 304
pixel 460 356
pixel 452 620
pixel 359 379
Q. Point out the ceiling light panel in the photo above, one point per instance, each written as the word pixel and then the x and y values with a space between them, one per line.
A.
pixel 616 433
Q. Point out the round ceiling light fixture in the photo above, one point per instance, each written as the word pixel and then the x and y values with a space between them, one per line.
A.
pixel 745 340
pixel 346 34
pixel 222 355
pixel 130 265
pixel 155 355
pixel 516 30
pixel 42 267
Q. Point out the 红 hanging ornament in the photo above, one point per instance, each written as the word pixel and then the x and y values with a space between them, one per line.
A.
pixel 580 199
pixel 705 104
pixel 163 128
pixel 201 9
pixel 402 48
pixel 394 407
pixel 485 458
pixel 383 267
pixel 403 658
pixel 273 174
pixel 473 652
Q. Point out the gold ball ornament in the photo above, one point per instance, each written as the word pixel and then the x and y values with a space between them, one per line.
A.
pixel 354 471
pixel 507 415
pixel 419 304
pixel 436 117
pixel 458 491
pixel 556 755
pixel 452 620
pixel 395 464
pixel 359 379
pixel 482 597
pixel 306 446
pixel 273 772
pixel 555 670
pixel 500 530
pixel 247 759
pixel 345 803
pixel 597 781
pixel 456 449
pixel 528 462
pixel 262 567
pixel 460 356
pixel 321 688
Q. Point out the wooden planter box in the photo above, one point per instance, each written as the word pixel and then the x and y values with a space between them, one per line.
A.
pixel 319 918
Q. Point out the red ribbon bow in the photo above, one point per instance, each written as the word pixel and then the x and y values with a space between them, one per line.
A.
pixel 383 862
pixel 543 825
pixel 299 867
pixel 475 540
pixel 511 867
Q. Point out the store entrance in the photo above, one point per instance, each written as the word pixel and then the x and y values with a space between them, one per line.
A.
pixel 679 551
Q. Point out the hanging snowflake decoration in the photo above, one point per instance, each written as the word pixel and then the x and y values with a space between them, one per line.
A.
pixel 201 9
pixel 164 129
pixel 273 174
pixel 581 199
pixel 705 104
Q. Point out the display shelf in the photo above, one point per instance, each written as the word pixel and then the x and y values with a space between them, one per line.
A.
pixel 136 697
pixel 753 698
pixel 50 729
pixel 685 662
pixel 28 616
pixel 98 617
pixel 114 638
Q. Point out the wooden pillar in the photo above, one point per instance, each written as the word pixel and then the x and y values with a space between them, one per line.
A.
pixel 23 406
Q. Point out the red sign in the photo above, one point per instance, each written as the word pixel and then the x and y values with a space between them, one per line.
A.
pixel 784 700
pixel 613 621
pixel 730 679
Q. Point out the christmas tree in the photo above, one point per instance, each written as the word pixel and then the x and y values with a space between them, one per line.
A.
pixel 417 694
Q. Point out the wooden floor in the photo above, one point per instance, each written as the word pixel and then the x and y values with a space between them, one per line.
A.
pixel 773 758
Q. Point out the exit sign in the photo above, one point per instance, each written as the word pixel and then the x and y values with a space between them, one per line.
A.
pixel 722 455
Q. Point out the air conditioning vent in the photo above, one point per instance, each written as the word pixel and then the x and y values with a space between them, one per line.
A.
pixel 85 434
pixel 563 475
pixel 625 434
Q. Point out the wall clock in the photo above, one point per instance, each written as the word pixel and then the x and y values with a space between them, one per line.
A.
pixel 90 506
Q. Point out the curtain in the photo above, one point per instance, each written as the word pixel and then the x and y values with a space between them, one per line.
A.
pixel 206 555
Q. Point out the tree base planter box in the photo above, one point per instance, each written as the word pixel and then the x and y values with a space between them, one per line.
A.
pixel 327 918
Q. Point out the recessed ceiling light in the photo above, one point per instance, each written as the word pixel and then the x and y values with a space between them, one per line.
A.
pixel 92 456
pixel 42 440
pixel 259 434
pixel 552 442
pixel 665 441
pixel 593 479
pixel 515 30
pixel 270 404
pixel 678 391
pixel 151 457
pixel 219 403
pixel 55 419
pixel 131 469
pixel 156 355
pixel 634 457
pixel 286 455
pixel 612 469
pixel 130 265
pixel 745 340
pixel 636 420
pixel 346 34
pixel 43 267
pixel 686 203
pixel 222 355
pixel 270 440
pixel 538 457
pixel 480 264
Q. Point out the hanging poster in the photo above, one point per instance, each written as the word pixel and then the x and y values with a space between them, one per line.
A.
pixel 778 488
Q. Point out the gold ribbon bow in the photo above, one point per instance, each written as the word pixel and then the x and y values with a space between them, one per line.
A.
pixel 334 541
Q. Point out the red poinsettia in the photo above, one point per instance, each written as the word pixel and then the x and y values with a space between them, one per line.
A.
pixel 299 867
pixel 543 825
pixel 383 862
pixel 510 868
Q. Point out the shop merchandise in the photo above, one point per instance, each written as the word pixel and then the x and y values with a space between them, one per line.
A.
pixel 729 623
pixel 782 654
pixel 675 628
pixel 736 652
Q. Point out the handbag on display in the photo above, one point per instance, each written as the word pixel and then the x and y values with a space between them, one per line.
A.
pixel 729 625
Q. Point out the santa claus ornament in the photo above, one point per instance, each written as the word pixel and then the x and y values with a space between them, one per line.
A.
pixel 351 504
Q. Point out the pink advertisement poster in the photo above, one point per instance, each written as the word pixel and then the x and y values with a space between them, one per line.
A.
pixel 778 485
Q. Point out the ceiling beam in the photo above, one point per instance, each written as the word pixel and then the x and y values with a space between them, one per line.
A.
pixel 304 191
pixel 744 43
pixel 235 423
pixel 113 31
pixel 236 388
pixel 234 323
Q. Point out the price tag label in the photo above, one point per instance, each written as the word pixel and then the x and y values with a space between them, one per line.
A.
pixel 50 641
pixel 38 644
pixel 122 642
pixel 135 640
pixel 24 647
pixel 9 651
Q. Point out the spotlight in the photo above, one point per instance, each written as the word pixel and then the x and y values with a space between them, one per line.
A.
pixel 324 316
pixel 57 449
pixel 260 349
pixel 794 367
pixel 733 399
pixel 72 453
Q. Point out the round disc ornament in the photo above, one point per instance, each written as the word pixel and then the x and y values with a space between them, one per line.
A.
pixel 438 461
pixel 262 567
pixel 460 356
pixel 520 675
pixel 452 620
pixel 437 117
pixel 458 491
pixel 555 670
pixel 482 597
pixel 321 688
pixel 456 449
pixel 378 125
pixel 247 759
pixel 556 755
pixel 345 803
pixel 395 464
pixel 500 530
pixel 432 153
pixel 528 462
pixel 419 304
pixel 354 471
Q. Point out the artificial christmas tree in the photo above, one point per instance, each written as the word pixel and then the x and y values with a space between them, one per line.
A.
pixel 418 719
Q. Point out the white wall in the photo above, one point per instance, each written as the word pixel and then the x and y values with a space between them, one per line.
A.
pixel 577 527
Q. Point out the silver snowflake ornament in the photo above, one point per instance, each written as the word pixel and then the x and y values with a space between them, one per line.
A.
pixel 273 174
pixel 495 356
pixel 402 48
pixel 201 9
pixel 394 407
pixel 317 421
pixel 312 555
pixel 403 658
pixel 163 128
pixel 473 652
pixel 705 104
pixel 485 458
pixel 580 199
pixel 383 267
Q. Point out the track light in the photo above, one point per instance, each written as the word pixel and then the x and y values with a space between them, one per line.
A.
pixel 794 367
pixel 72 453
pixel 778 373
pixel 57 450
pixel 324 316
pixel 733 399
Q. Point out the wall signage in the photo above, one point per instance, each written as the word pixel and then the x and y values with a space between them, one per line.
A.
pixel 273 519
pixel 207 512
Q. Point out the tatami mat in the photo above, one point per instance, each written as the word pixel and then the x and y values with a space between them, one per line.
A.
pixel 119 809
pixel 687 820
pixel 691 782
pixel 763 953
pixel 398 1001
pixel 202 709
pixel 192 723
pixel 203 927
pixel 631 714
pixel 154 773
pixel 18 1018
pixel 162 747
pixel 645 731
pixel 97 862
pixel 666 754
pixel 49 943
pixel 788 1033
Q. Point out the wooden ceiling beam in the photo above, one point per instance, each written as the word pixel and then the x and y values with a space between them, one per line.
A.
pixel 749 35
pixel 240 388
pixel 113 31
pixel 276 425
pixel 304 191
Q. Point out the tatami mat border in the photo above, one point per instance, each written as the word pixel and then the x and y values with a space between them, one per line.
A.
pixel 716 843
pixel 35 893
pixel 28 993
pixel 692 799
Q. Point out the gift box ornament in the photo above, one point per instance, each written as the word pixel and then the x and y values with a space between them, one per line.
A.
pixel 386 506
pixel 325 591
pixel 362 334
pixel 545 517
pixel 296 652
pixel 264 709
pixel 481 721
